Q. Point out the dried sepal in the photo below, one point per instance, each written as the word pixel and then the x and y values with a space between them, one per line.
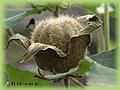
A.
pixel 89 28
pixel 35 47
pixel 77 50
pixel 21 40
pixel 31 24
pixel 89 23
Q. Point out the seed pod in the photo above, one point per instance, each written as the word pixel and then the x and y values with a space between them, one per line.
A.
pixel 58 44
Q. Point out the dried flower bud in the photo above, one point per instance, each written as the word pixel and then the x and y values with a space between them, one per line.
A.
pixel 58 44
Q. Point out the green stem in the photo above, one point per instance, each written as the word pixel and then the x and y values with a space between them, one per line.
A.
pixel 100 39
pixel 106 27
pixel 56 12
pixel 7 84
pixel 10 32
pixel 66 82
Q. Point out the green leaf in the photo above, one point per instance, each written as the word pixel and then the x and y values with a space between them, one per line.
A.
pixel 106 58
pixel 100 75
pixel 17 76
pixel 102 72
pixel 10 22
pixel 36 9
pixel 84 66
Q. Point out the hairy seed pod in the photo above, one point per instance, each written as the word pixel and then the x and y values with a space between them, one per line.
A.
pixel 58 44
pixel 56 32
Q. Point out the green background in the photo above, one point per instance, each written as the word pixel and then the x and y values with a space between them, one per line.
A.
pixel 81 2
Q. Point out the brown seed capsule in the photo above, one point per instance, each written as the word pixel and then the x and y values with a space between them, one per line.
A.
pixel 58 44
pixel 56 32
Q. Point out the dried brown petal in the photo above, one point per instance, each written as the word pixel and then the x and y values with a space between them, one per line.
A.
pixel 35 47
pixel 89 23
pixel 23 40
pixel 89 28
pixel 77 50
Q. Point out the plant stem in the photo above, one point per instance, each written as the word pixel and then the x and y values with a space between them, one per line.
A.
pixel 100 38
pixel 55 13
pixel 76 82
pixel 66 82
pixel 40 77
pixel 10 32
pixel 7 84
pixel 106 27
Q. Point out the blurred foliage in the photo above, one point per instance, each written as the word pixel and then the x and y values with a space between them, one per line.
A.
pixel 100 75
pixel 36 9
pixel 17 75
pixel 91 9
pixel 97 69
pixel 106 58
pixel 84 66
pixel 45 7
pixel 103 71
